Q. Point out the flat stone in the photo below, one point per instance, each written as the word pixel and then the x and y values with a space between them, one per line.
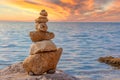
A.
pixel 41 35
pixel 42 46
pixel 41 20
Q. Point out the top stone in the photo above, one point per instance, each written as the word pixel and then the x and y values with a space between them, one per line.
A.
pixel 43 13
pixel 42 18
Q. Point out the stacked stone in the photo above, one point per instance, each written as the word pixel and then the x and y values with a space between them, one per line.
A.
pixel 44 55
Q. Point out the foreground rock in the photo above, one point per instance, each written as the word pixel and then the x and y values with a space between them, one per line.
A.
pixel 16 72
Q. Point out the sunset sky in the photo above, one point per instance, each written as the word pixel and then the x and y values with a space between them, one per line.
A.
pixel 61 10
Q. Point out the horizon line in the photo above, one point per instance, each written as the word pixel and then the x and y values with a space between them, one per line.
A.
pixel 63 21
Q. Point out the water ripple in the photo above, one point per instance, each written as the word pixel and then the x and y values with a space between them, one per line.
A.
pixel 82 43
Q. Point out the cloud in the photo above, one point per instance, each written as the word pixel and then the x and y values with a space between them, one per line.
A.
pixel 105 11
pixel 68 10
pixel 31 2
pixel 74 8
pixel 70 2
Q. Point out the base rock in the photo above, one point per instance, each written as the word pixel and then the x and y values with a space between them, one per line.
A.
pixel 42 62
pixel 17 72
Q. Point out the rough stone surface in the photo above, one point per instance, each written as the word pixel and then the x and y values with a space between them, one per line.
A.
pixel 113 61
pixel 42 46
pixel 12 69
pixel 105 59
pixel 42 62
pixel 41 27
pixel 43 13
pixel 40 35
pixel 41 20
pixel 17 72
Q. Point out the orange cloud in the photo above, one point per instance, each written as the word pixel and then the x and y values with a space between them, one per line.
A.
pixel 108 12
pixel 61 10
pixel 70 2
pixel 53 9
pixel 113 12
pixel 88 4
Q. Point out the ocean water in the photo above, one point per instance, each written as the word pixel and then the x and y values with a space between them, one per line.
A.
pixel 82 43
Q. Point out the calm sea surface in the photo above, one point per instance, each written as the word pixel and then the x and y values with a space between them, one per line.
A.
pixel 83 44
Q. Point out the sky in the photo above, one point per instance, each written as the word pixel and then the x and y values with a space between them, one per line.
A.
pixel 61 10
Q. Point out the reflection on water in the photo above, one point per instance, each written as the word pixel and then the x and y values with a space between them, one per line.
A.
pixel 83 44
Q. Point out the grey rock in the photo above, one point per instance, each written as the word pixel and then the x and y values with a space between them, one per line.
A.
pixel 16 72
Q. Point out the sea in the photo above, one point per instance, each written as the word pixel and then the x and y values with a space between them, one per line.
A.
pixel 82 42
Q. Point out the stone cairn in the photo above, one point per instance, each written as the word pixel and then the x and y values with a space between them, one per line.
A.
pixel 44 55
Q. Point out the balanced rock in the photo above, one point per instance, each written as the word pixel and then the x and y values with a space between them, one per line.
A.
pixel 42 46
pixel 41 35
pixel 41 27
pixel 44 54
pixel 43 62
pixel 41 20
pixel 43 13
